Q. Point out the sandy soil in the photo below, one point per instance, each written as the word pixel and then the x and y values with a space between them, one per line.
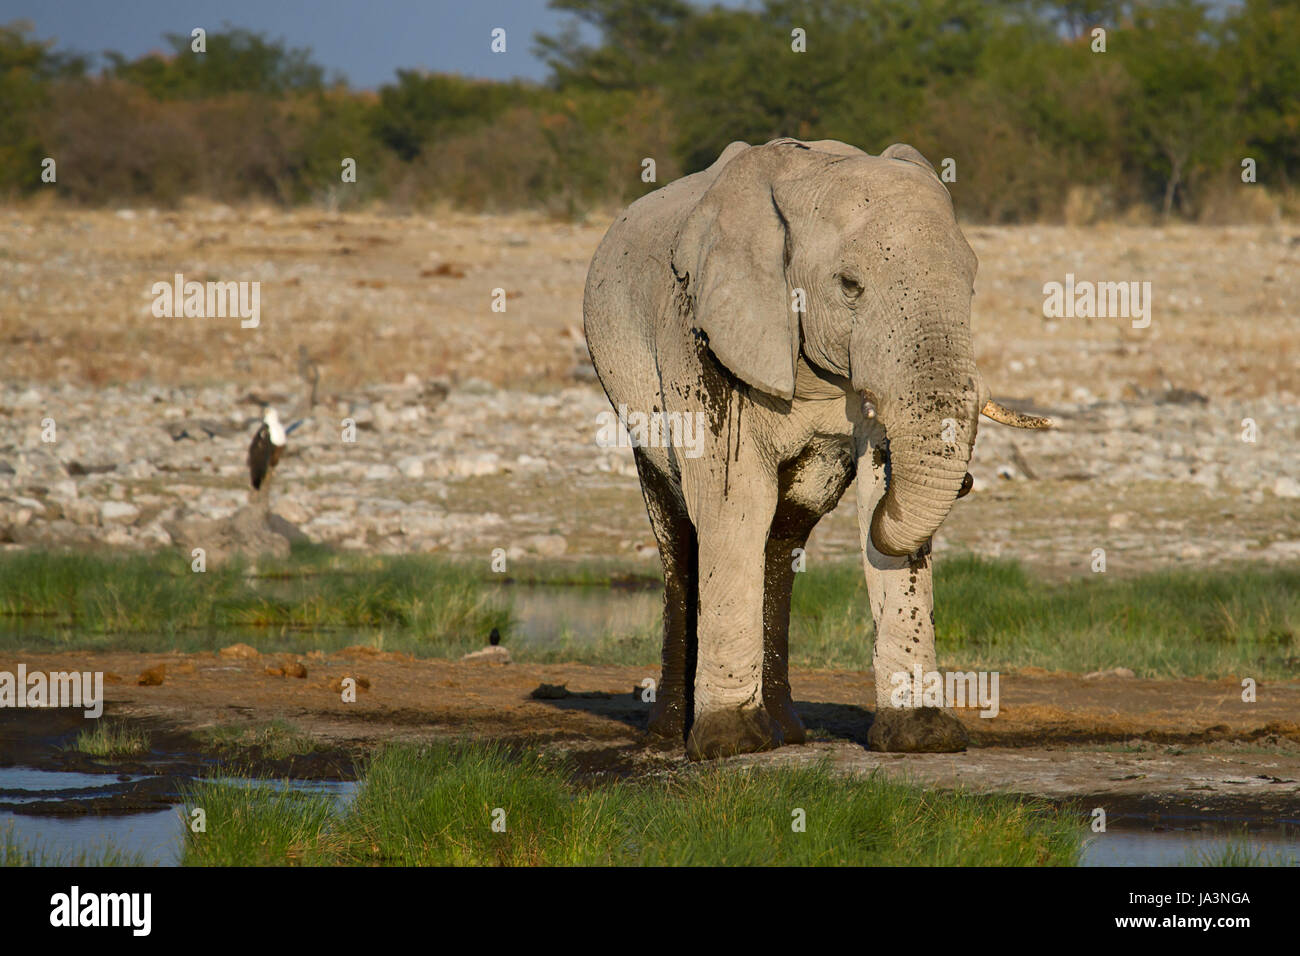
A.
pixel 1169 746
pixel 376 296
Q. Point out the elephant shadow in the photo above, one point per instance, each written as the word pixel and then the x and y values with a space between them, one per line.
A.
pixel 838 721
pixel 627 709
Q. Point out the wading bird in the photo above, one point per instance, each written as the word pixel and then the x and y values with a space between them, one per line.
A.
pixel 267 447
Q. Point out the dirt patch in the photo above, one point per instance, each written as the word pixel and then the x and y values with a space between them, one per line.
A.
pixel 1180 747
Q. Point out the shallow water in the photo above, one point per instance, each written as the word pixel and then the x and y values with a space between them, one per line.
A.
pixel 29 778
pixel 545 616
pixel 156 836
pixel 1279 845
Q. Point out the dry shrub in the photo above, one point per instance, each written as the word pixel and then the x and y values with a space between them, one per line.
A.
pixel 114 143
pixel 562 161
pixel 1231 202
pixel 1086 206
pixel 1000 176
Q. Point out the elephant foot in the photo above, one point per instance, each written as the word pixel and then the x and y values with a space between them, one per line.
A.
pixel 725 733
pixel 780 707
pixel 668 716
pixel 919 730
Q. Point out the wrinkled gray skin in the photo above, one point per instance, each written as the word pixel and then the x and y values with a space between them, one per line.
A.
pixel 690 308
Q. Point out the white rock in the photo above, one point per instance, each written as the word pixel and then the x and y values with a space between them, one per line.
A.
pixel 385 420
pixel 65 490
pixel 292 510
pixel 1122 672
pixel 421 524
pixel 548 545
pixel 470 466
pixel 118 512
pixel 489 655
pixel 411 467
pixel 1286 487
pixel 81 511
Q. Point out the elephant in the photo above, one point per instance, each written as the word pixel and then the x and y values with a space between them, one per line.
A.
pixel 809 304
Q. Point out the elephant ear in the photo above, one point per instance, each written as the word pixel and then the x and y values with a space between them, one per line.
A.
pixel 909 154
pixel 730 252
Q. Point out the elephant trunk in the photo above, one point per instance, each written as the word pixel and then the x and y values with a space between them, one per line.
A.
pixel 924 481
pixel 930 423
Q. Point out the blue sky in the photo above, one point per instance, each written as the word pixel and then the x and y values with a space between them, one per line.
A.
pixel 364 40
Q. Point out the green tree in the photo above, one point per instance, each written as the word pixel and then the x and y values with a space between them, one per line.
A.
pixel 235 61
pixel 638 42
pixel 1264 36
pixel 1182 101
pixel 420 107
pixel 28 67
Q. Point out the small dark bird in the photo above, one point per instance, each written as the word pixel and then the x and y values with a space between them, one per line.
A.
pixel 265 451
pixel 495 637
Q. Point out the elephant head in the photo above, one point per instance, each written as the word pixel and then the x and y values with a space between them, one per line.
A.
pixel 858 261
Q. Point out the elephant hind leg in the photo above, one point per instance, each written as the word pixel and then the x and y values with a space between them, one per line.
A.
pixel 673 706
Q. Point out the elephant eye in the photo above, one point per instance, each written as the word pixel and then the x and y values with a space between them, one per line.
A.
pixel 852 287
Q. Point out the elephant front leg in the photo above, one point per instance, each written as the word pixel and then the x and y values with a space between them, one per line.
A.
pixel 902 605
pixel 730 717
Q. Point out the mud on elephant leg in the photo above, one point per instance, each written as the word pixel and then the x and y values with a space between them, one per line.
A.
pixel 916 730
pixel 902 604
pixel 670 712
pixel 734 730
pixel 778 584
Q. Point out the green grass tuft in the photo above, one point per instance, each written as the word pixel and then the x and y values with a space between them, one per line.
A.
pixel 254 825
pixel 65 600
pixel 435 806
pixel 992 615
pixel 989 615
pixel 275 739
pixel 112 739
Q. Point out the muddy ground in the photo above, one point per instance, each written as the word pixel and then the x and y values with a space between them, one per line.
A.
pixel 1183 748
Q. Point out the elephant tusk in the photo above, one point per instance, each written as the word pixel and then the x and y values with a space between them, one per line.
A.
pixel 1007 416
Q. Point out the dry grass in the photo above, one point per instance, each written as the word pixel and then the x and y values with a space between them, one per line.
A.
pixel 375 295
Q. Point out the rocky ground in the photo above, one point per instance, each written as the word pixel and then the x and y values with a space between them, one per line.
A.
pixel 478 429
pixel 475 468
